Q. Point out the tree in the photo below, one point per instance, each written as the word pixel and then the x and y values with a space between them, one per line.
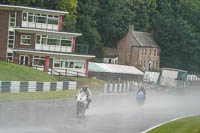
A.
pixel 177 37
pixel 113 20
pixel 86 24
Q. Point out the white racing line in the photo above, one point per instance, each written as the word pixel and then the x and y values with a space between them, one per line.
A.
pixel 146 131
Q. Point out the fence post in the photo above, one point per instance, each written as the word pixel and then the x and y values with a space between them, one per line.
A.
pixel 51 71
pixel 59 76
pixel 77 74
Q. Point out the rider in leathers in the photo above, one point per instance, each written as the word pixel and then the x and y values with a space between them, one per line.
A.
pixel 88 93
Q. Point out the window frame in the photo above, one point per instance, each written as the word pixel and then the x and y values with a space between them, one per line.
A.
pixel 25 37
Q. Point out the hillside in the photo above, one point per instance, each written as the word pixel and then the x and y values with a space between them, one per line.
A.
pixel 15 72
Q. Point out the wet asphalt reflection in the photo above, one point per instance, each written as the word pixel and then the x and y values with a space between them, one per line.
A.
pixel 107 114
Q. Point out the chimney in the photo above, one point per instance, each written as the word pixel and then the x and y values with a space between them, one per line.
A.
pixel 131 27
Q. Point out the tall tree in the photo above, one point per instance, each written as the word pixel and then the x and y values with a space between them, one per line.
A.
pixel 179 42
pixel 86 24
pixel 113 20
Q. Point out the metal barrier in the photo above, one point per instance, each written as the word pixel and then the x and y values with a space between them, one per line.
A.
pixel 34 86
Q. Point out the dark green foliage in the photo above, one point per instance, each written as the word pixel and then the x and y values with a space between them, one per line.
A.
pixel 178 36
pixel 175 23
pixel 87 24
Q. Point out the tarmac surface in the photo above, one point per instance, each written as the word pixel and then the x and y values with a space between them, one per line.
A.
pixel 107 114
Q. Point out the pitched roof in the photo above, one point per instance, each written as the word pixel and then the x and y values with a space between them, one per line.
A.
pixel 113 68
pixel 144 39
pixel 14 7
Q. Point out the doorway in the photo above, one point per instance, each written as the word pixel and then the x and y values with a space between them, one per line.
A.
pixel 24 60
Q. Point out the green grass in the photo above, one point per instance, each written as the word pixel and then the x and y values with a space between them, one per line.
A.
pixel 185 125
pixel 96 85
pixel 11 97
pixel 15 72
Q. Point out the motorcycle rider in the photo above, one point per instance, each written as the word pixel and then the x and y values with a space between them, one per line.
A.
pixel 141 90
pixel 88 93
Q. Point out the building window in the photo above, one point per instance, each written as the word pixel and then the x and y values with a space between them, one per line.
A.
pixel 145 51
pixel 53 19
pixel 53 40
pixel 57 63
pixel 65 42
pixel 12 20
pixel 38 39
pixel 150 51
pixel 80 65
pixel 25 39
pixel 158 52
pixel 10 57
pixel 30 17
pixel 144 64
pixel 155 52
pixel 40 18
pixel 38 60
pixel 44 39
pixel 142 51
pixel 11 39
pixel 25 16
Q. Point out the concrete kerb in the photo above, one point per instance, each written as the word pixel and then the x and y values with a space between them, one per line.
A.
pixel 146 131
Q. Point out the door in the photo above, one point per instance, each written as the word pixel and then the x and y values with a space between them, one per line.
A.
pixel 24 60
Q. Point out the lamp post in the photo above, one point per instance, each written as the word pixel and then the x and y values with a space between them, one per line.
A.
pixel 149 65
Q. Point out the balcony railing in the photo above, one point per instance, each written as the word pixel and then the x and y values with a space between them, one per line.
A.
pixel 37 24
pixel 81 49
pixel 54 48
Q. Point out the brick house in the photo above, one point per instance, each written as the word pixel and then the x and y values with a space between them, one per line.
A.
pixel 34 37
pixel 139 49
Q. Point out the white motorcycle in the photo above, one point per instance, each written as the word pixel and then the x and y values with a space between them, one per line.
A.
pixel 81 103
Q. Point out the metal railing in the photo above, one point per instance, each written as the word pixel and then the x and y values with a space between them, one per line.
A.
pixel 37 24
pixel 62 72
pixel 81 49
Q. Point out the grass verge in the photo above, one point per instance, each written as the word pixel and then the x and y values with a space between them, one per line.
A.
pixel 185 125
pixel 96 85
pixel 29 96
pixel 15 72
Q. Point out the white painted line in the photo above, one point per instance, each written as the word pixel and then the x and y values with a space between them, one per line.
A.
pixel 167 122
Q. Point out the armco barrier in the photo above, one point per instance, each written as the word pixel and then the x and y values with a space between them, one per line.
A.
pixel 34 86
pixel 119 87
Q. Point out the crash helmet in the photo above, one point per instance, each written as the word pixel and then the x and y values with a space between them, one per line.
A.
pixel 85 88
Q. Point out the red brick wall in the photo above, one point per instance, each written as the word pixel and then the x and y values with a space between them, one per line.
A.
pixel 18 41
pixel 148 57
pixel 19 19
pixel 127 56
pixel 4 15
pixel 4 22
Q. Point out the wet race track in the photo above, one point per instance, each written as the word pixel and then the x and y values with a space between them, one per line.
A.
pixel 107 114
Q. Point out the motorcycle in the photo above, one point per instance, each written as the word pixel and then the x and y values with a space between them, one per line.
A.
pixel 81 103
